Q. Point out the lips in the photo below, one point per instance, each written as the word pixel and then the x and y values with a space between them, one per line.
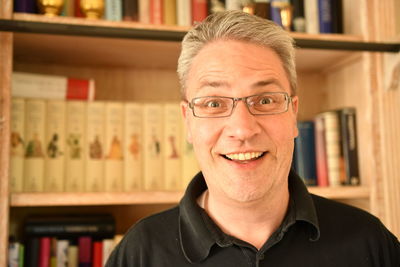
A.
pixel 247 156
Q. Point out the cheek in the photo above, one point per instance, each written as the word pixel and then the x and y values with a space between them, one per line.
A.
pixel 204 135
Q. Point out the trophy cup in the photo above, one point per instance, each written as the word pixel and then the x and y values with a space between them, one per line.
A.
pixel 50 8
pixel 93 9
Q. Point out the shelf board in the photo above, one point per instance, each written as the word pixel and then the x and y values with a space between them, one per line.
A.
pixel 141 198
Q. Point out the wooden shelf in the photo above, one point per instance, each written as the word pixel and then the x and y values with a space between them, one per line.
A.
pixel 137 198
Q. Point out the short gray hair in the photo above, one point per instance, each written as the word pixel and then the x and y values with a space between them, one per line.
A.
pixel 240 26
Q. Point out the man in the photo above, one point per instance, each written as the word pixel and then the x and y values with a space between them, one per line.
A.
pixel 246 208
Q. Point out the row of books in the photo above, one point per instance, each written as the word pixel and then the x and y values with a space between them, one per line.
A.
pixel 326 149
pixel 311 16
pixel 64 241
pixel 78 146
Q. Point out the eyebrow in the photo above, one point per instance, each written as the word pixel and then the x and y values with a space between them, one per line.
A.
pixel 219 84
pixel 263 83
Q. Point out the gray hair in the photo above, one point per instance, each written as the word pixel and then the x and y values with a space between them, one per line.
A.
pixel 240 26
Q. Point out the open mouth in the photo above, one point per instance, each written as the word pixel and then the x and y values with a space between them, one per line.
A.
pixel 244 157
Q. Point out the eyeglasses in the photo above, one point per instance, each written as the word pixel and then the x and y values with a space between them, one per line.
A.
pixel 222 106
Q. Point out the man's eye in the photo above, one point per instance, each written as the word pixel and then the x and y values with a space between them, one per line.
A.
pixel 213 104
pixel 265 101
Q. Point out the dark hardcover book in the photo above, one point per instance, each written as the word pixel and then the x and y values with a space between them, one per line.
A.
pixel 337 16
pixel 262 9
pixel 325 16
pixel 102 226
pixel 85 251
pixel 275 12
pixel 348 127
pixel 299 20
pixel 25 6
pixel 305 163
pixel 32 252
pixel 130 11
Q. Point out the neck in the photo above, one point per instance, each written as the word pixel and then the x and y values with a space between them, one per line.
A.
pixel 241 219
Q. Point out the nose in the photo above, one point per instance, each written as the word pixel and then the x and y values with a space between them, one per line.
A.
pixel 242 125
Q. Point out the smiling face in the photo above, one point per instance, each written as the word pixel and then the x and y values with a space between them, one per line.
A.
pixel 243 157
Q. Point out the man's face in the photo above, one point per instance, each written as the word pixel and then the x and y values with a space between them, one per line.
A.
pixel 239 69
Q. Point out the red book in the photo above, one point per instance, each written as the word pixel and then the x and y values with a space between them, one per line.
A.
pixel 156 11
pixel 80 89
pixel 85 251
pixel 199 10
pixel 44 252
pixel 97 254
pixel 77 9
pixel 320 157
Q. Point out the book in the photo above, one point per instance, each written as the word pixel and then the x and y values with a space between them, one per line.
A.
pixel 17 148
pixel 133 148
pixel 262 8
pixel 156 11
pixel 73 259
pixel 325 13
pixel 320 152
pixel 95 136
pixel 144 11
pixel 75 144
pixel 68 8
pixel 199 10
pixel 114 143
pixel 130 10
pixel 53 252
pixel 62 253
pixel 107 248
pixel 30 85
pixel 169 12
pixel 233 4
pixel 35 121
pixel 77 9
pixel 85 251
pixel 184 12
pixel 305 163
pixel 15 254
pixel 311 15
pixel 153 136
pixel 97 255
pixel 113 10
pixel 299 20
pixel 348 125
pixel 55 146
pixel 32 252
pixel 25 6
pixel 44 252
pixel 337 16
pixel 172 146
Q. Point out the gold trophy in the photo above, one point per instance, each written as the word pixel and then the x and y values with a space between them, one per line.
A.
pixel 50 8
pixel 93 9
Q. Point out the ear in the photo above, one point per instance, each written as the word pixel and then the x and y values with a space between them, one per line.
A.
pixel 186 119
pixel 295 109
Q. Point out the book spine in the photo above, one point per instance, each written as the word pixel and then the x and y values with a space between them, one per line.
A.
pixel 68 8
pixel 107 248
pixel 75 144
pixel 95 136
pixel 80 89
pixel 44 252
pixel 172 146
pixel 13 254
pixel 156 11
pixel 33 252
pixel 17 148
pixel 325 16
pixel 35 121
pixel 305 152
pixel 85 251
pixel 133 148
pixel 113 10
pixel 77 9
pixel 350 147
pixel 53 252
pixel 55 146
pixel 337 16
pixel 62 253
pixel 199 10
pixel 170 12
pixel 233 4
pixel 190 166
pixel 320 151
pixel 299 21
pixel 114 121
pixel 130 10
pixel 97 254
pixel 262 8
pixel 184 12
pixel 311 13
pixel 25 6
pixel 73 259
pixel 144 11
pixel 153 135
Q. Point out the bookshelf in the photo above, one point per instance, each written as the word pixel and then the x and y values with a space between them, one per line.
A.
pixel 334 71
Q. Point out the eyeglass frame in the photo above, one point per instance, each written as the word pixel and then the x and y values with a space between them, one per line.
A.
pixel 288 100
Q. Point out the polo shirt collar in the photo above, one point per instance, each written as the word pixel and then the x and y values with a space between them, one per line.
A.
pixel 198 233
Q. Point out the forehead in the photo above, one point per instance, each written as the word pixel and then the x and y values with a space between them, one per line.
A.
pixel 235 63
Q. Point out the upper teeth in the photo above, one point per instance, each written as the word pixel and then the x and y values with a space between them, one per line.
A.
pixel 244 156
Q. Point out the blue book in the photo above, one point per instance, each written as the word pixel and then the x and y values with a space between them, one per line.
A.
pixel 275 12
pixel 325 13
pixel 25 6
pixel 304 153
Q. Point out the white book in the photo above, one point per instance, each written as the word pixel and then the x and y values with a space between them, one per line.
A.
pixel 113 10
pixel 14 254
pixel 62 253
pixel 172 146
pixel 31 85
pixel 108 247
pixel 311 15
pixel 17 149
pixel 144 11
pixel 153 136
pixel 184 12
pixel 190 165
pixel 95 136
pixel 133 148
pixel 55 146
pixel 114 133
pixel 35 122
pixel 75 144
pixel 233 4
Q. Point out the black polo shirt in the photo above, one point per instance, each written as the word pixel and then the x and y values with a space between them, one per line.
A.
pixel 315 232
